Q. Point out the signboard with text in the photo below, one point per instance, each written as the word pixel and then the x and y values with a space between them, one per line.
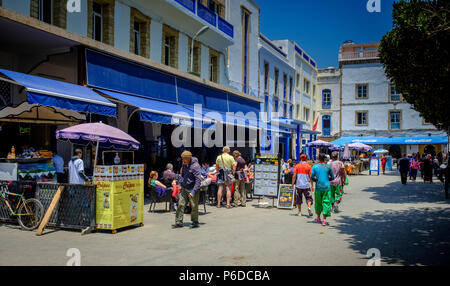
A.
pixel 286 197
pixel 267 175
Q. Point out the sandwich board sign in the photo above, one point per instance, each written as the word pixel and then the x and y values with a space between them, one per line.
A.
pixel 286 197
pixel 374 165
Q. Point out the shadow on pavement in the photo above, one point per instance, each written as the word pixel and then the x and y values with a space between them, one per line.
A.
pixel 412 192
pixel 408 237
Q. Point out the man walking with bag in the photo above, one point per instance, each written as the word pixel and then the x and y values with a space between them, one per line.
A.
pixel 226 168
pixel 190 181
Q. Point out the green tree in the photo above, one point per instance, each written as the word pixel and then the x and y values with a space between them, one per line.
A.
pixel 416 57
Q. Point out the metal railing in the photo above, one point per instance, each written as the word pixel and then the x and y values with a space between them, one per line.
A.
pixel 208 15
pixel 371 54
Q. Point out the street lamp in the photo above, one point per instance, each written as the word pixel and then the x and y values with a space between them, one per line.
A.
pixel 199 33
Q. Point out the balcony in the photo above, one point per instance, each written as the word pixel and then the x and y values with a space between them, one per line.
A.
pixel 354 56
pixel 204 13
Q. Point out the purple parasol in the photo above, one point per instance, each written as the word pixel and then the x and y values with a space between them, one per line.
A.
pixel 98 133
pixel 360 147
pixel 322 144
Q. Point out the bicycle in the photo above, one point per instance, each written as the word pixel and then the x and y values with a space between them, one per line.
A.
pixel 29 212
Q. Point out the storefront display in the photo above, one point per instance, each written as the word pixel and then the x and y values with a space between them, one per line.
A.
pixel 39 170
pixel 120 196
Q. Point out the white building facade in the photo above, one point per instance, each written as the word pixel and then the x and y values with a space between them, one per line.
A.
pixel 328 103
pixel 374 112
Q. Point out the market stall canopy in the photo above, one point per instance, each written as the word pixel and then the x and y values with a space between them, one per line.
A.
pixel 381 151
pixel 419 140
pixel 31 113
pixel 91 133
pixel 53 93
pixel 321 144
pixel 359 147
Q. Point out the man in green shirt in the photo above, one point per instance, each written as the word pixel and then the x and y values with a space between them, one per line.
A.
pixel 225 165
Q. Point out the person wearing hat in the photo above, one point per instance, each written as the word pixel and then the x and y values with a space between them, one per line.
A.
pixel 189 180
pixel 226 168
pixel 303 184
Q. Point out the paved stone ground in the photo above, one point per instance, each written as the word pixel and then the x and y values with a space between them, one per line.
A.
pixel 410 225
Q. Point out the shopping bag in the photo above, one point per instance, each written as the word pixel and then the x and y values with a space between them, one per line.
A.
pixel 346 180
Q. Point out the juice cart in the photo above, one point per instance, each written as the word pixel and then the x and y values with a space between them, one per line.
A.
pixel 120 188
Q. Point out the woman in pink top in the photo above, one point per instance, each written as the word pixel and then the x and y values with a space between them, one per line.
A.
pixel 415 165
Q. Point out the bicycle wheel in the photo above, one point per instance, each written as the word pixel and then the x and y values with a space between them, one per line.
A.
pixel 30 214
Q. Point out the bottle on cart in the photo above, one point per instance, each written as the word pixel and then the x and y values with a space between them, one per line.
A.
pixel 13 153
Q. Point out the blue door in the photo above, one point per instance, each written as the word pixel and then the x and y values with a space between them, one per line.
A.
pixel 326 125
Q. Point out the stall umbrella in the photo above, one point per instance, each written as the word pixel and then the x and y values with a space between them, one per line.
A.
pixel 100 134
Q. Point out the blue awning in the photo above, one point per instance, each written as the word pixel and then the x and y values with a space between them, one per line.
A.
pixel 419 140
pixel 158 111
pixel 43 91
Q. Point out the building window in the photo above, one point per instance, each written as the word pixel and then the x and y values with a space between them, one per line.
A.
pixel 285 110
pixel 298 112
pixel 394 96
pixel 266 104
pixel 306 86
pixel 266 77
pixel 326 125
pixel 306 114
pixel 140 33
pixel 216 6
pixel 245 48
pixel 170 47
pixel 137 38
pixel 326 99
pixel 101 21
pixel 290 88
pixel 276 82
pixel 362 91
pixel 213 66
pixel 395 120
pixel 298 81
pixel 314 91
pixel 97 21
pixel 291 111
pixel 275 106
pixel 362 118
pixel 45 11
pixel 284 86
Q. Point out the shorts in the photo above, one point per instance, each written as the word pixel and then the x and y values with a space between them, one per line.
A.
pixel 299 196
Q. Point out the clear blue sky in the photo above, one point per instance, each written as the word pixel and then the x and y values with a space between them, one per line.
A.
pixel 321 26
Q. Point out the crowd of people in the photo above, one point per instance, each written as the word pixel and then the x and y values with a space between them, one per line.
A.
pixel 326 180
pixel 225 181
pixel 429 166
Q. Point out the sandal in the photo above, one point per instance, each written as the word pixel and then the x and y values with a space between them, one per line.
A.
pixel 228 207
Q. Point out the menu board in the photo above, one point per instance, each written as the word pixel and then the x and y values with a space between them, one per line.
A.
pixel 286 197
pixel 267 175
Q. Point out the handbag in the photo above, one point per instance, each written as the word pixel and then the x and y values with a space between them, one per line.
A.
pixel 228 173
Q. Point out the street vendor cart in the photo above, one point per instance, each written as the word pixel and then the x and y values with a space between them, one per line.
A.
pixel 119 188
